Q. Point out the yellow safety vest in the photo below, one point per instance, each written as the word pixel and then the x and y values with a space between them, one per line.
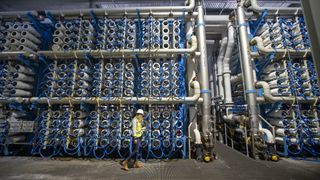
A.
pixel 138 129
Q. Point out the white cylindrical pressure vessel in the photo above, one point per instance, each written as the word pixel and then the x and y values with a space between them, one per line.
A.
pixel 29 44
pixel 19 92
pixel 32 30
pixel 30 37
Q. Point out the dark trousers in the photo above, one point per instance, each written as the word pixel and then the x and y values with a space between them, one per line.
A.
pixel 135 152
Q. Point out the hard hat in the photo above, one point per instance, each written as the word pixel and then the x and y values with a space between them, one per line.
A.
pixel 140 111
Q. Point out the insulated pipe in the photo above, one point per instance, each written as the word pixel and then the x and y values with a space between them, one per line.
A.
pixel 272 10
pixel 204 77
pixel 222 50
pixel 105 53
pixel 101 11
pixel 281 52
pixel 123 100
pixel 226 65
pixel 247 71
pixel 267 96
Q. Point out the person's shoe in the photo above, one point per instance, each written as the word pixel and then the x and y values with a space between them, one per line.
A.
pixel 137 165
pixel 125 165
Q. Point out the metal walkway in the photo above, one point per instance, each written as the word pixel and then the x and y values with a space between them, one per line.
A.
pixel 230 165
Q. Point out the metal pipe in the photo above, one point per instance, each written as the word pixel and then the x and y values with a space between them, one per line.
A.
pixel 268 97
pixel 226 64
pixel 280 52
pixel 272 10
pixel 116 100
pixel 204 77
pixel 106 53
pixel 247 71
pixel 15 14
pixel 216 19
pixel 101 11
pixel 220 66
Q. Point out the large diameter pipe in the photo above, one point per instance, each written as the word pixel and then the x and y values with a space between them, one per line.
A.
pixel 226 65
pixel 247 71
pixel 272 10
pixel 222 51
pixel 101 11
pixel 125 100
pixel 105 53
pixel 17 14
pixel 268 97
pixel 204 76
pixel 216 19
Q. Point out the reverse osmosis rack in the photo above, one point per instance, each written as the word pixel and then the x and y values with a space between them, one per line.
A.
pixel 267 93
pixel 194 50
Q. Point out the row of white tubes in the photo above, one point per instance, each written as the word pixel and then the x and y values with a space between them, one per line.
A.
pixel 272 35
pixel 16 36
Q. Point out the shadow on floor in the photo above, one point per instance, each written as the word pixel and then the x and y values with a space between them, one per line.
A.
pixel 230 165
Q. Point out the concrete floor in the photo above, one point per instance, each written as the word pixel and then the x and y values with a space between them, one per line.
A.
pixel 229 165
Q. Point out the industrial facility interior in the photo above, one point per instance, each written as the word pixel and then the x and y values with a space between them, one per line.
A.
pixel 230 88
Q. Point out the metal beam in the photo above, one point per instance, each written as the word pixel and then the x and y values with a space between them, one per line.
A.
pixel 312 16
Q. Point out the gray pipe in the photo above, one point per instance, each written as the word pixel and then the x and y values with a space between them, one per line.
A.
pixel 101 11
pixel 204 77
pixel 247 71
pixel 220 66
pixel 216 19
pixel 16 14
pixel 124 52
pixel 226 65
pixel 115 100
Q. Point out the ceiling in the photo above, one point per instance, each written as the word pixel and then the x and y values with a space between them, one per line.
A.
pixel 212 6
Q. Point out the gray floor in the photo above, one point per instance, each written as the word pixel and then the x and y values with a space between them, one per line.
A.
pixel 230 165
